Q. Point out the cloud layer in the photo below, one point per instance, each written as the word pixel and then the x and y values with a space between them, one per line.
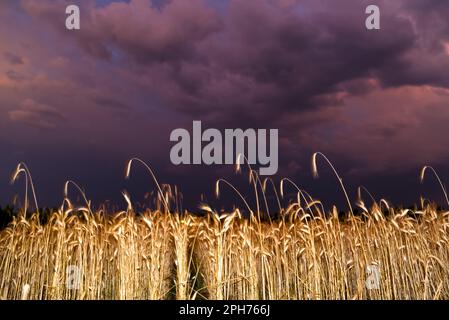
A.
pixel 375 101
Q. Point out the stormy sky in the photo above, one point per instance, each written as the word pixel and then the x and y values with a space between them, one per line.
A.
pixel 78 104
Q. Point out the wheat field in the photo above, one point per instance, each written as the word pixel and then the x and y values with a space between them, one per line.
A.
pixel 300 252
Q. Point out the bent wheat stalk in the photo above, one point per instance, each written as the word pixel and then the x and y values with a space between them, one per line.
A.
pixel 128 172
pixel 340 180
pixel 421 179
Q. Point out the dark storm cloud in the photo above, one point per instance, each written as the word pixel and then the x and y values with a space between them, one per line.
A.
pixel 374 101
pixel 110 103
pixel 259 59
pixel 14 76
pixel 13 58
pixel 36 114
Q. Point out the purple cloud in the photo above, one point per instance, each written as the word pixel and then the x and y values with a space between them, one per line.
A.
pixel 136 70
pixel 13 59
pixel 37 115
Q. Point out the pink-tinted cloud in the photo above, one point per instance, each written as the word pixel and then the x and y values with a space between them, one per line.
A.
pixel 374 100
pixel 13 58
pixel 385 130
pixel 37 115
